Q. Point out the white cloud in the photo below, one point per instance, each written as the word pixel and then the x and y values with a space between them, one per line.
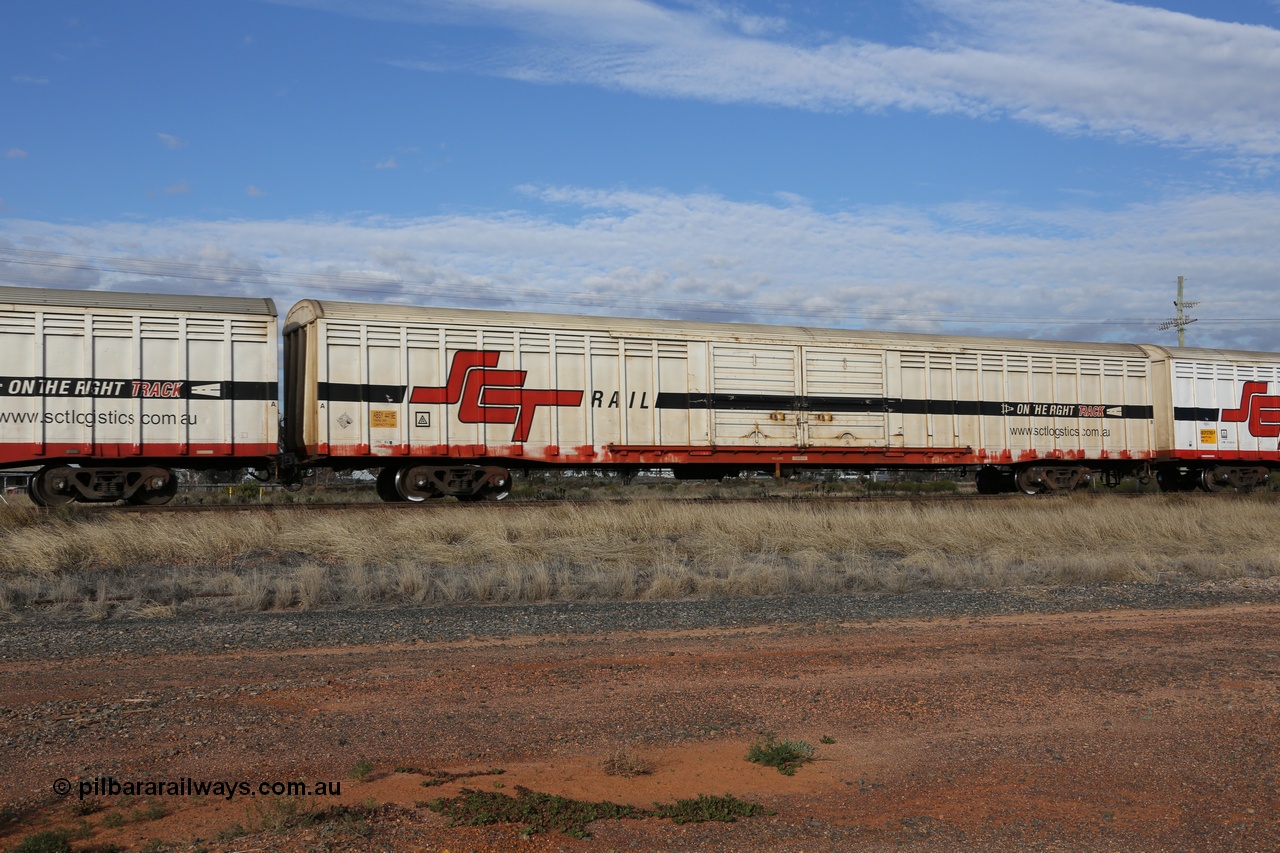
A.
pixel 254 192
pixel 15 154
pixel 180 188
pixel 1074 66
pixel 27 78
pixel 389 163
pixel 974 269
pixel 170 141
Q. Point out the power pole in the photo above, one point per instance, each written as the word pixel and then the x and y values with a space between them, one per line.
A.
pixel 1181 321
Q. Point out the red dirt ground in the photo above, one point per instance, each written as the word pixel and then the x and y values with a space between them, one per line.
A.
pixel 1102 731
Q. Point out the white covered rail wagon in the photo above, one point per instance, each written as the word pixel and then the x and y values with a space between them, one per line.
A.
pixel 1217 417
pixel 109 392
pixel 445 400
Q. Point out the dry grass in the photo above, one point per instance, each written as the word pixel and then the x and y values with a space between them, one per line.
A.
pixel 626 763
pixel 164 565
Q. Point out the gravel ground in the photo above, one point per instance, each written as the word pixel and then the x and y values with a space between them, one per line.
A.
pixel 1115 717
pixel 46 636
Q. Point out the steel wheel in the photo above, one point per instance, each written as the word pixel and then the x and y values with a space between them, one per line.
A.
pixel 1028 482
pixel 156 497
pixel 386 485
pixel 499 485
pixel 41 488
pixel 1208 482
pixel 407 490
pixel 987 481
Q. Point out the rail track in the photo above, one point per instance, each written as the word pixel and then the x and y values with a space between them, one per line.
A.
pixel 445 505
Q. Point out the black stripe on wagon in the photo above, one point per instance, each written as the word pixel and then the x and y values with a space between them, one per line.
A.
pixel 1187 413
pixel 891 405
pixel 243 391
pixel 344 392
pixel 770 402
pixel 135 389
pixel 339 392
pixel 853 405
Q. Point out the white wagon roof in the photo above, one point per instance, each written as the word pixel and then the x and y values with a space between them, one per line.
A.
pixel 20 298
pixel 1218 355
pixel 310 310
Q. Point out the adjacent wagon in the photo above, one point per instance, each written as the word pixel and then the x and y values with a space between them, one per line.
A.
pixel 108 393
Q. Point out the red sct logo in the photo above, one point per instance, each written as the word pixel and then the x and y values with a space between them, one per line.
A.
pixel 488 396
pixel 1262 412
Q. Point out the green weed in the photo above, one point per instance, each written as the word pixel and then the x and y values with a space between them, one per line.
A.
pixel 540 812
pixel 441 777
pixel 786 755
pixel 704 808
pixel 280 814
pixel 155 811
pixel 230 833
pixel 89 806
pixel 50 841
pixel 537 811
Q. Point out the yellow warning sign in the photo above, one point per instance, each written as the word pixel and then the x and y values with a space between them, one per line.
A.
pixel 1208 436
pixel 384 418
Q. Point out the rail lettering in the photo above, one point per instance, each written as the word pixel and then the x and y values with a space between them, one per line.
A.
pixel 638 400
pixel 44 386
pixel 485 395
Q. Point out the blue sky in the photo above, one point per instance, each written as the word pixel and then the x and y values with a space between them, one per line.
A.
pixel 1008 167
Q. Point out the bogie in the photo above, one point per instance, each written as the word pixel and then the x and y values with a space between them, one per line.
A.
pixel 56 485
pixel 418 483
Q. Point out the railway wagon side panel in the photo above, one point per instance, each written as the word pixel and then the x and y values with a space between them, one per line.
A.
pixel 467 385
pixel 1016 406
pixel 21 429
pixel 343 416
pixel 1225 407
pixel 123 380
pixel 472 391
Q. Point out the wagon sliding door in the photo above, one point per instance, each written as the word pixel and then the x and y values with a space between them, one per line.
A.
pixel 754 391
pixel 843 398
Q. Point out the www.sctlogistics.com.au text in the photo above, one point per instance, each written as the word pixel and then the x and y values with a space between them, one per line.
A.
pixel 110 786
